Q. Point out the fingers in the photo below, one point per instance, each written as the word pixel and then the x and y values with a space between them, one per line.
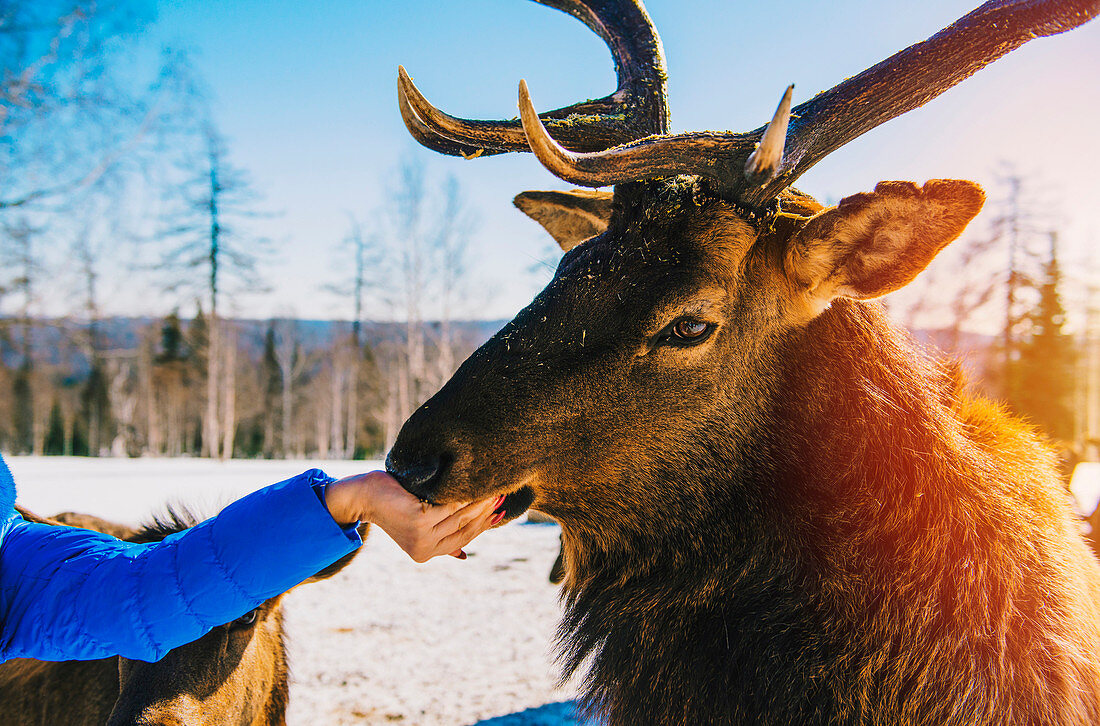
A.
pixel 466 514
pixel 427 531
pixel 439 512
pixel 463 536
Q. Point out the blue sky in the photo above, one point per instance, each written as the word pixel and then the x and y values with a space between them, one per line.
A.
pixel 305 94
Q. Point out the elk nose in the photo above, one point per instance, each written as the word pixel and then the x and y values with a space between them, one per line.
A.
pixel 420 477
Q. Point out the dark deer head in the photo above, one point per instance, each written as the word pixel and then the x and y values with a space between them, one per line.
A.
pixel 640 377
pixel 235 675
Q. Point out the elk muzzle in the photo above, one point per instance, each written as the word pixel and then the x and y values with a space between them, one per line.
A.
pixel 444 453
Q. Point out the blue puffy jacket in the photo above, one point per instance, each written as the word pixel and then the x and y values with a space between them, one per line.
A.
pixel 72 594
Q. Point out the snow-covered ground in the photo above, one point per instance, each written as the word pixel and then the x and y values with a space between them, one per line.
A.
pixel 386 641
pixel 1085 486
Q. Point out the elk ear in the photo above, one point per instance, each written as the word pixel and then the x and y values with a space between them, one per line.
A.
pixel 570 217
pixel 874 243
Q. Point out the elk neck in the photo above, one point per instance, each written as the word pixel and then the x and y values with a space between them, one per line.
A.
pixel 859 499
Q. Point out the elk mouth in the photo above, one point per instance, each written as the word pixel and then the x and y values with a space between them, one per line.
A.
pixel 522 494
pixel 517 502
pixel 425 481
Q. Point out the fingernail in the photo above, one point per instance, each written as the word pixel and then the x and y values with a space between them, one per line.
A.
pixel 499 501
pixel 461 555
pixel 496 518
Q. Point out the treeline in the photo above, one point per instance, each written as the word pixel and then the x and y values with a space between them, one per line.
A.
pixel 286 388
pixel 1011 276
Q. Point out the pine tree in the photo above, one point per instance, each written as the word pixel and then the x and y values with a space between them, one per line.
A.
pixel 272 386
pixel 96 409
pixel 1047 359
pixel 172 343
pixel 55 432
pixel 23 411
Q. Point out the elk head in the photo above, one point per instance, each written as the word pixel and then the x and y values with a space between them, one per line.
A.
pixel 641 375
pixel 234 674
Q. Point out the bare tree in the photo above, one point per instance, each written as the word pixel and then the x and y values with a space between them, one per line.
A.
pixel 25 269
pixel 409 235
pixel 449 247
pixel 73 118
pixel 213 255
pixel 292 363
pixel 227 391
pixel 342 398
pixel 93 228
pixel 57 56
pixel 364 283
pixel 431 248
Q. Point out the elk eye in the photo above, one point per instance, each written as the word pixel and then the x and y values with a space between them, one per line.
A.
pixel 688 331
pixel 245 621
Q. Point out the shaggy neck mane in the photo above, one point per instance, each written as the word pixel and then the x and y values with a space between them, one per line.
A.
pixel 879 549
pixel 175 519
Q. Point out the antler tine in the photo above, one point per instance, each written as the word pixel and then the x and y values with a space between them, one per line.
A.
pixel 649 158
pixel 763 163
pixel 421 131
pixel 914 76
pixel 636 109
pixel 560 161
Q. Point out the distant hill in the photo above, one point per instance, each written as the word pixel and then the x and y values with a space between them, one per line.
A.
pixel 59 342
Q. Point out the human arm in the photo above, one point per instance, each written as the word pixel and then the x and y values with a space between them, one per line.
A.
pixel 74 594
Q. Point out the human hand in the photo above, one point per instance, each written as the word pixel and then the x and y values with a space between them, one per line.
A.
pixel 422 530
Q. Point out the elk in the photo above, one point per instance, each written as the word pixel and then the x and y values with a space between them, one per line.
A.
pixel 235 675
pixel 774 509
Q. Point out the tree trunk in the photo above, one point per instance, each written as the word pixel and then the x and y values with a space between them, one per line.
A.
pixel 353 405
pixel 339 375
pixel 70 429
pixel 229 396
pixel 288 409
pixel 153 442
pixel 210 434
pixel 41 411
pixel 393 411
pixel 323 429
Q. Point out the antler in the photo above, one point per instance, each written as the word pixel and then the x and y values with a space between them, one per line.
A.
pixel 902 82
pixel 635 110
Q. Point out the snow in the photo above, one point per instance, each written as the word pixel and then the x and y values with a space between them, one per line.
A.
pixel 1085 486
pixel 386 641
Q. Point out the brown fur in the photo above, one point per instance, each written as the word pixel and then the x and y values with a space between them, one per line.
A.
pixel 235 675
pixel 96 524
pixel 799 520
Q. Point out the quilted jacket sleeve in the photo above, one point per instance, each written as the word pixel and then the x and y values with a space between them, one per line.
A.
pixel 71 594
